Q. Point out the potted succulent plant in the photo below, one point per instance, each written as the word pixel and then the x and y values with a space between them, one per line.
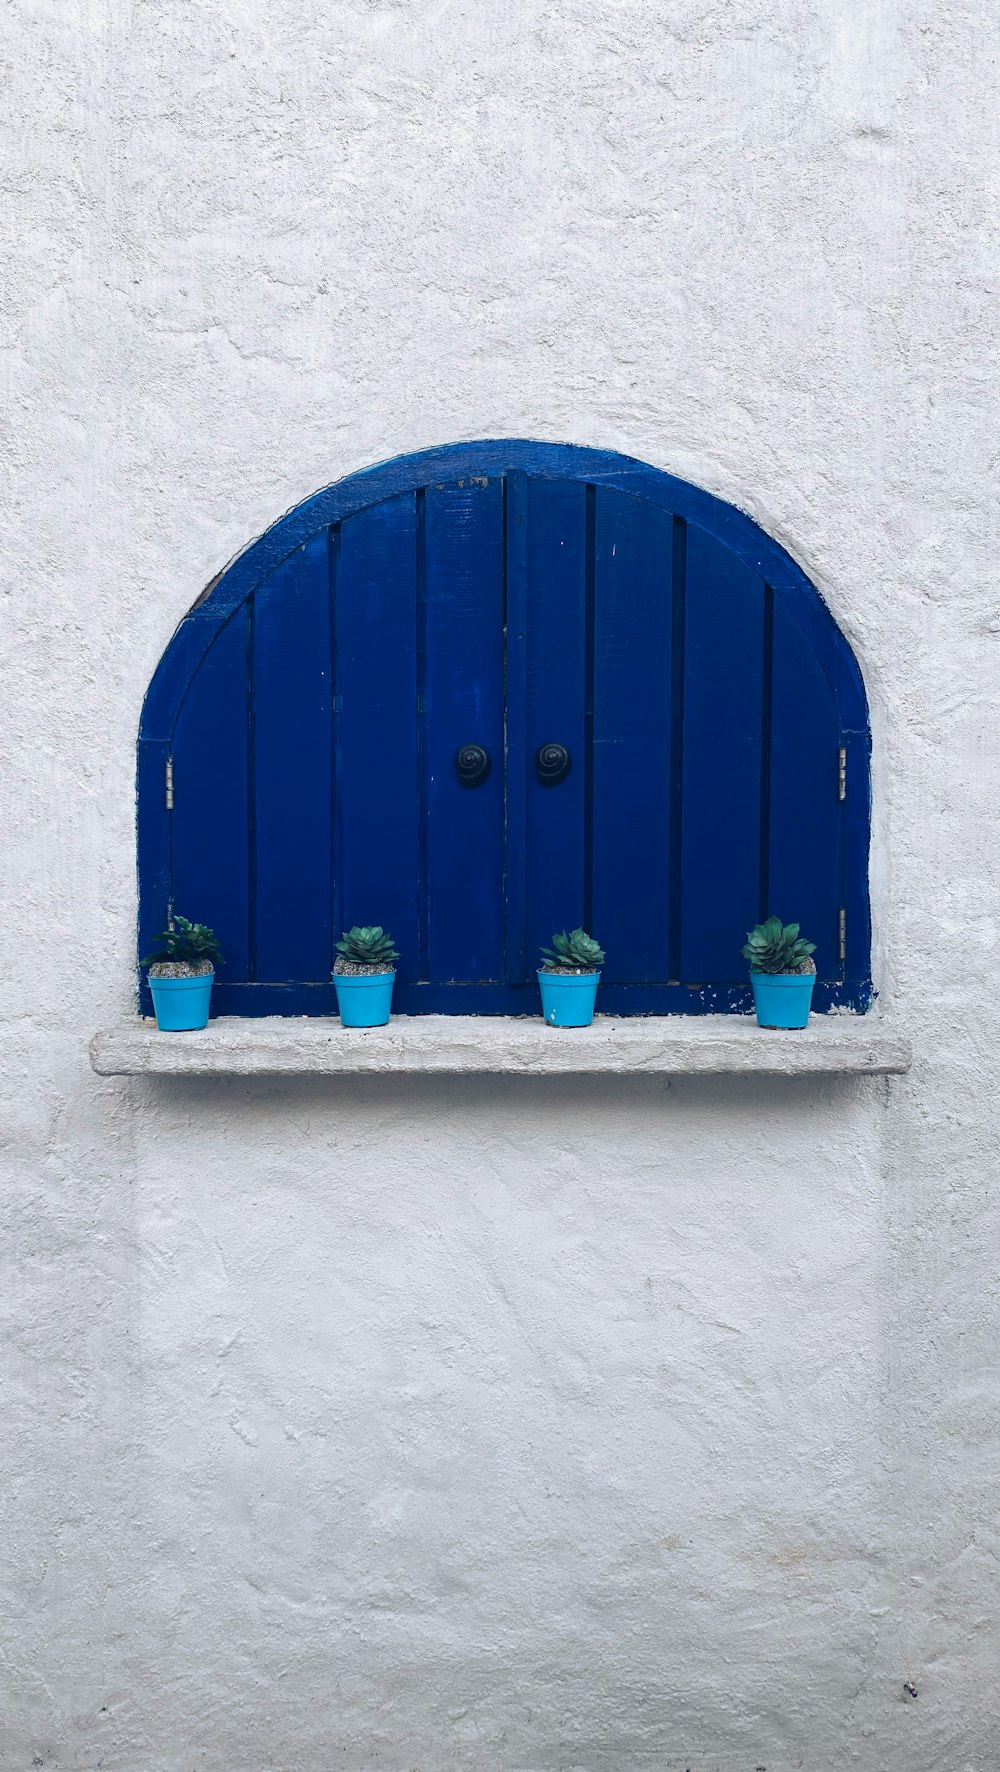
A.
pixel 568 979
pixel 782 973
pixel 181 974
pixel 364 973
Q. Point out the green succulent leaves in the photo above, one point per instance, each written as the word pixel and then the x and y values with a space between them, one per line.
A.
pixel 775 946
pixel 185 942
pixel 368 945
pixel 772 947
pixel 577 952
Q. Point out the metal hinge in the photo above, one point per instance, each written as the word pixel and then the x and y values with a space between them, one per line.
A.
pixel 842 774
pixel 842 934
pixel 170 784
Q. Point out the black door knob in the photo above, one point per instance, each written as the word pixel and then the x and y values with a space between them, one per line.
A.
pixel 472 765
pixel 552 763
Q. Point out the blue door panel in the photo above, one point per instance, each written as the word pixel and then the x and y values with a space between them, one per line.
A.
pixel 210 825
pixel 804 872
pixel 515 729
pixel 721 789
pixel 462 704
pixel 312 705
pixel 375 648
pixel 292 774
pixel 555 661
pixel 630 845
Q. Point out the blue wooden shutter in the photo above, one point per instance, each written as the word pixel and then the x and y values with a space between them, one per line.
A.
pixel 548 675
pixel 306 719
pixel 721 786
pixel 375 742
pixel 805 815
pixel 210 855
pixel 630 842
pixel 289 680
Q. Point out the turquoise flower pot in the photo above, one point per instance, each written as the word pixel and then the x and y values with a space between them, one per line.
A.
pixel 782 999
pixel 364 1001
pixel 568 998
pixel 181 1004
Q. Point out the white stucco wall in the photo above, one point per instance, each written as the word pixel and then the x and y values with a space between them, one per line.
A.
pixel 496 1423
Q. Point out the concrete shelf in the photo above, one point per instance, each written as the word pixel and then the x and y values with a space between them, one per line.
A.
pixel 453 1045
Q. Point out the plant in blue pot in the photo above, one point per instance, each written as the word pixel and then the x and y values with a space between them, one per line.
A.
pixel 782 973
pixel 364 973
pixel 181 974
pixel 568 979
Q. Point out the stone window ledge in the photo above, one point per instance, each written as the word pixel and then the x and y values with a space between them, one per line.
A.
pixel 454 1045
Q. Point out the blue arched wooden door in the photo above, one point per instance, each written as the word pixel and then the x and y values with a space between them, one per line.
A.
pixel 300 746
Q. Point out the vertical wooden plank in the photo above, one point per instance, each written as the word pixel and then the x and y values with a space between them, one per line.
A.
pixel 210 821
pixel 338 922
pixel 804 874
pixel 855 831
pixel 720 822
pixel 153 820
pixel 678 575
pixel 291 714
pixel 633 616
pixel 515 576
pixel 556 650
pixel 377 721
pixel 463 674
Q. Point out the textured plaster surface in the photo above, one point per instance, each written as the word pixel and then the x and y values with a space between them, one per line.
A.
pixel 399 1422
pixel 468 1044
